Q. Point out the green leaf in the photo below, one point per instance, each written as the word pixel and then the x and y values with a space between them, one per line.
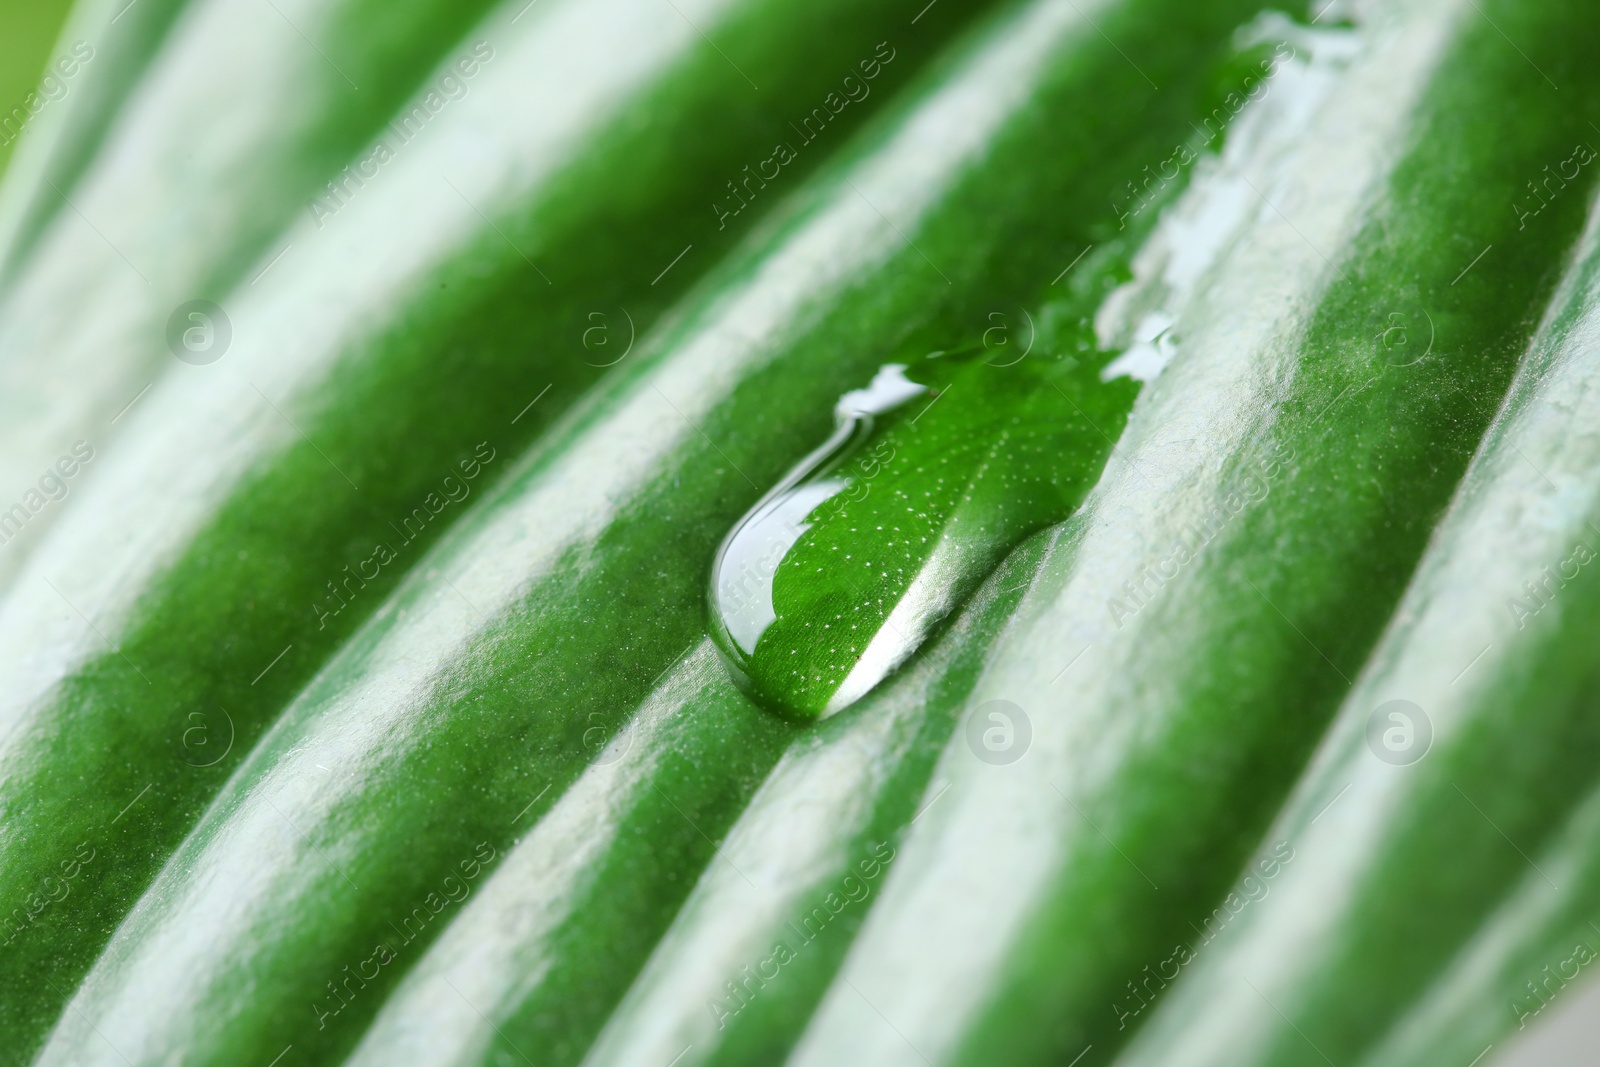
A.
pixel 212 559
pixel 1534 947
pixel 231 136
pixel 1457 756
pixel 25 58
pixel 1275 487
pixel 754 947
pixel 119 40
pixel 379 690
pixel 460 712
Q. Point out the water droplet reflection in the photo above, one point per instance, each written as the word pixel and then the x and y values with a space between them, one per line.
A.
pixel 932 473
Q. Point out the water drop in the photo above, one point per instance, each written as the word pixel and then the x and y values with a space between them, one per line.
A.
pixel 933 472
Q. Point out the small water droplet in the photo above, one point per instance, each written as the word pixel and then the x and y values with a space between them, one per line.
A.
pixel 933 472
